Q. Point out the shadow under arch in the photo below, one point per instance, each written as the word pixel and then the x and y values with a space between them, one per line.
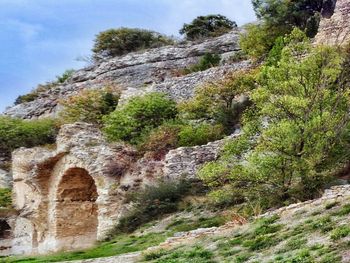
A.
pixel 76 211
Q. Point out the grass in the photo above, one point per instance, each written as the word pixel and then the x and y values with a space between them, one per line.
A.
pixel 119 245
pixel 270 239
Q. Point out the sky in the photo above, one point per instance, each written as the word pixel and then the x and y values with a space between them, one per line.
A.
pixel 40 39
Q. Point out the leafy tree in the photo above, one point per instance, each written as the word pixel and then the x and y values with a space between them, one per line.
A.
pixel 277 19
pixel 299 120
pixel 207 26
pixel 286 14
pixel 138 116
pixel 117 42
pixel 90 105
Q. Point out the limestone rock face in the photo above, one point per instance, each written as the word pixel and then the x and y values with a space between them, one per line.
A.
pixel 69 197
pixel 153 70
pixel 5 179
pixel 335 26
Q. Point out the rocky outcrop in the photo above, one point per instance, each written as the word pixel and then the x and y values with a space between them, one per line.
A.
pixel 152 70
pixel 335 24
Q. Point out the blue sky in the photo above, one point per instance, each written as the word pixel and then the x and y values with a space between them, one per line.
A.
pixel 39 39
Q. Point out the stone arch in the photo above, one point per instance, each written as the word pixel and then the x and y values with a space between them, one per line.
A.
pixel 75 210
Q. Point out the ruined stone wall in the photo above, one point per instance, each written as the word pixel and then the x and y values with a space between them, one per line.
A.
pixel 335 26
pixel 71 196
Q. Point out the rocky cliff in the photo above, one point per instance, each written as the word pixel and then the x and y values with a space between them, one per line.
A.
pixel 335 24
pixel 139 72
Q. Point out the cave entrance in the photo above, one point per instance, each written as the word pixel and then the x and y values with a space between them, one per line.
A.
pixel 76 210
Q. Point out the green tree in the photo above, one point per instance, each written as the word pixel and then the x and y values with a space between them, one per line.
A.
pixel 117 42
pixel 299 120
pixel 139 116
pixel 286 14
pixel 207 26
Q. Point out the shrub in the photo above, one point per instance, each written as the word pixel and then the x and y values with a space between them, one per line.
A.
pixel 139 116
pixel 207 61
pixel 5 198
pixel 151 203
pixel 15 133
pixel 90 105
pixel 290 132
pixel 207 26
pixel 172 135
pixel 117 42
pixel 257 40
pixel 65 76
pixel 192 135
pixel 160 140
pixel 218 100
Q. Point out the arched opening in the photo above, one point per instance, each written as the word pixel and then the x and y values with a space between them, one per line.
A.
pixel 76 210
pixel 5 238
pixel 5 230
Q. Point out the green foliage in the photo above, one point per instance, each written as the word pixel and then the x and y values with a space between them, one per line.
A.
pixel 207 26
pixel 299 118
pixel 277 19
pixel 15 133
pixel 90 105
pixel 207 61
pixel 286 14
pixel 65 76
pixel 117 42
pixel 340 232
pixel 192 135
pixel 5 198
pixel 176 134
pixel 194 255
pixel 257 40
pixel 151 203
pixel 218 100
pixel 138 117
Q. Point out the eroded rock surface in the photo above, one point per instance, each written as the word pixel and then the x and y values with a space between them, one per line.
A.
pixel 335 24
pixel 155 70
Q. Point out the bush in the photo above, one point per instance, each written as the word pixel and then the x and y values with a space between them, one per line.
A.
pixel 5 198
pixel 206 62
pixel 117 42
pixel 257 40
pixel 151 203
pixel 176 134
pixel 207 26
pixel 218 100
pixel 15 133
pixel 138 117
pixel 90 105
pixel 65 76
pixel 192 135
pixel 160 140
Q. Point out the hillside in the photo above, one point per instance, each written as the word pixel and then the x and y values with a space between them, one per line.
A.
pixel 229 147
